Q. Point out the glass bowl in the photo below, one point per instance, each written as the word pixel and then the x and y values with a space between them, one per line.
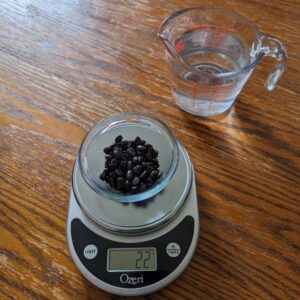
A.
pixel 129 125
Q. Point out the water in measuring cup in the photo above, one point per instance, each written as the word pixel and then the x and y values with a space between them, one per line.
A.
pixel 212 52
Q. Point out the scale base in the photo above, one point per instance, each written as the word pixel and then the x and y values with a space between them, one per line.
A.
pixel 76 214
pixel 174 242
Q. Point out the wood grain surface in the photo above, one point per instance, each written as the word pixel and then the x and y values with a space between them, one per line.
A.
pixel 66 64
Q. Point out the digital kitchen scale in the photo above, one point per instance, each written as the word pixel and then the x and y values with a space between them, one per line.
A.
pixel 133 249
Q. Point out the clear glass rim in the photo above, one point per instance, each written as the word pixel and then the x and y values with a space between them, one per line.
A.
pixel 166 22
pixel 157 187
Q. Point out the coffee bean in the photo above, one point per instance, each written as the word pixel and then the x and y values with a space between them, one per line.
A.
pixel 112 166
pixel 154 153
pixel 103 175
pixel 120 182
pixel 128 185
pixel 150 168
pixel 149 182
pixel 119 172
pixel 149 156
pixel 137 140
pixel 113 174
pixel 131 151
pixel 130 165
pixel 118 139
pixel 141 148
pixel 139 153
pixel 159 174
pixel 144 175
pixel 147 163
pixel 135 160
pixel 111 182
pixel 117 153
pixel 125 156
pixel 140 159
pixel 135 181
pixel 134 189
pixel 129 175
pixel 114 161
pixel 106 164
pixel 123 165
pixel 155 161
pixel 142 187
pixel 108 157
pixel 107 150
pixel 137 170
pixel 153 174
pixel 143 142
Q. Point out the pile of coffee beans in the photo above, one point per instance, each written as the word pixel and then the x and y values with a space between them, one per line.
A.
pixel 131 166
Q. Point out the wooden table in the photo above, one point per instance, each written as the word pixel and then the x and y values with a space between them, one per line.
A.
pixel 64 65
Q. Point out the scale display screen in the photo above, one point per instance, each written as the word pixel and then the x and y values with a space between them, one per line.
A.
pixel 131 259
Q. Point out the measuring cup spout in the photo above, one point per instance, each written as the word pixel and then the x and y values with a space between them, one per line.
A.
pixel 165 28
pixel 163 38
pixel 168 45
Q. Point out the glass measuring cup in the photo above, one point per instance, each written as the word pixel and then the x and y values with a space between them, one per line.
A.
pixel 211 53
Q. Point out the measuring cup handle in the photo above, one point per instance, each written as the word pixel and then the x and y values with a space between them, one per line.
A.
pixel 274 48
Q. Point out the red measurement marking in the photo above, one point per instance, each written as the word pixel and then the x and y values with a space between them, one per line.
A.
pixel 206 36
pixel 220 34
pixel 217 95
pixel 180 46
pixel 221 95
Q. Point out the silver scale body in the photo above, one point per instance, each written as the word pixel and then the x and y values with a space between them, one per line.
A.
pixel 158 218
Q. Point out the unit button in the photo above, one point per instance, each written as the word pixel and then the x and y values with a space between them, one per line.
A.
pixel 90 251
pixel 173 249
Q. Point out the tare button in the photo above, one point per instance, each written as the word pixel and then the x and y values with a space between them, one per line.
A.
pixel 90 251
pixel 173 249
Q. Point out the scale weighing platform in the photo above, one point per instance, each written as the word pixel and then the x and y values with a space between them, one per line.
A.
pixel 133 249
